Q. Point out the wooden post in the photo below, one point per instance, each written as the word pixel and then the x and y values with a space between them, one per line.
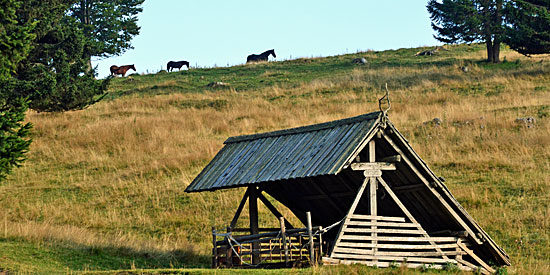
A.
pixel 254 229
pixel 372 198
pixel 320 256
pixel 239 209
pixel 310 234
pixel 285 245
pixel 215 249
pixel 229 254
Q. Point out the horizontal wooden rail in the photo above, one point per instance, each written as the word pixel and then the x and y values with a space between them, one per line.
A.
pixel 382 224
pixel 399 239
pixel 378 218
pixel 398 246
pixel 392 258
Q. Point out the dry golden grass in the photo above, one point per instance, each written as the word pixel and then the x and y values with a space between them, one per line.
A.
pixel 114 174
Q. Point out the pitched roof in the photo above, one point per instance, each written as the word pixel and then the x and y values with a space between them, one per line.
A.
pixel 320 149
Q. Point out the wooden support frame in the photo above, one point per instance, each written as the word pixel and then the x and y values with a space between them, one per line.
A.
pixel 408 214
pixel 447 207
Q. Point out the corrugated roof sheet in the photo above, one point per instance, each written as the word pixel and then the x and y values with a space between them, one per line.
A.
pixel 320 149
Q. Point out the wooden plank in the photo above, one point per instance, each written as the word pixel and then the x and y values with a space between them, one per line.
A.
pixel 239 209
pixel 382 230
pixel 372 165
pixel 400 239
pixel 273 210
pixel 407 213
pixel 447 207
pixel 383 224
pixel 373 185
pixel 396 253
pixel 378 218
pixel 392 258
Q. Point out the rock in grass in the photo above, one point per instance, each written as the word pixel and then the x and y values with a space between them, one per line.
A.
pixel 361 60
pixel 217 84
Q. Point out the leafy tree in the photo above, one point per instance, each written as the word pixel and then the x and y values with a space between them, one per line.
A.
pixel 55 76
pixel 109 24
pixel 469 21
pixel 14 46
pixel 528 26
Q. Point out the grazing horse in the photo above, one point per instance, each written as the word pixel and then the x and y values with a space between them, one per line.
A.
pixel 176 64
pixel 260 57
pixel 121 70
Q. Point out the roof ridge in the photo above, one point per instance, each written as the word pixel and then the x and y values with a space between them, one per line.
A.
pixel 303 129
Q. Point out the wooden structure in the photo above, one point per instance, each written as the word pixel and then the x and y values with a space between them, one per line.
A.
pixel 361 174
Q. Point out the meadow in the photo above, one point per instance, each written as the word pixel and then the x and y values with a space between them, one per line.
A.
pixel 103 188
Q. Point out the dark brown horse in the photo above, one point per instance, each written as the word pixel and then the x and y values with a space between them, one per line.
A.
pixel 122 69
pixel 260 57
pixel 176 64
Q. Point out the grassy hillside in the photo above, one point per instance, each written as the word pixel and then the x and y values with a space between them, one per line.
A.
pixel 103 187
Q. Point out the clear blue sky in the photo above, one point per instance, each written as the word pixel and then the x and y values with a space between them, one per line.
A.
pixel 211 33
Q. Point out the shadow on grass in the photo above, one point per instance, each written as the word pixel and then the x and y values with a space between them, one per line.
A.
pixel 21 255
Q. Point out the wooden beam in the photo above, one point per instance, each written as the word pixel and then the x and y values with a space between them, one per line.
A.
pixel 239 209
pixel 475 257
pixel 396 158
pixel 253 213
pixel 373 166
pixel 373 185
pixel 409 188
pixel 273 210
pixel 447 207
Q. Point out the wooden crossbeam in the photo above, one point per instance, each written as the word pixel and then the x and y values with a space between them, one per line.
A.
pixel 475 257
pixel 373 166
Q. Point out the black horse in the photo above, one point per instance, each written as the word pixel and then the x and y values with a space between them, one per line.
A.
pixel 176 64
pixel 260 57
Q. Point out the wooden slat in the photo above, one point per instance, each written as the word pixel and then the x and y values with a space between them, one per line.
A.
pixel 398 246
pixel 392 258
pixel 400 239
pixel 383 224
pixel 377 218
pixel 396 253
pixel 379 230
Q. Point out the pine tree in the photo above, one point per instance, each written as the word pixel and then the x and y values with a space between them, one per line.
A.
pixel 528 26
pixel 524 25
pixel 14 46
pixel 55 75
pixel 469 21
pixel 109 25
